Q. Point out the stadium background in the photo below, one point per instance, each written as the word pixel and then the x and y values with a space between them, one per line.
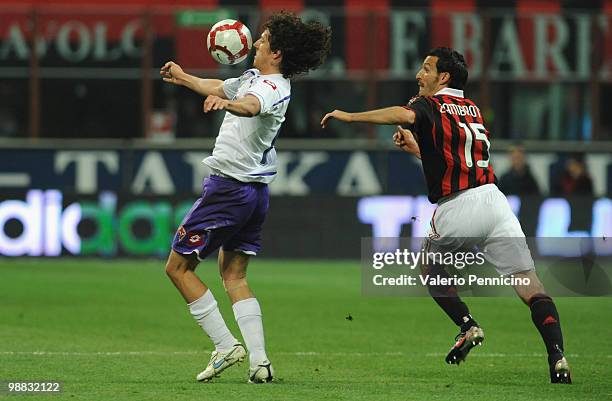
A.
pixel 100 158
pixel 88 115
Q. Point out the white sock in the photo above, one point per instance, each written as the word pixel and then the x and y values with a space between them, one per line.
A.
pixel 248 316
pixel 205 311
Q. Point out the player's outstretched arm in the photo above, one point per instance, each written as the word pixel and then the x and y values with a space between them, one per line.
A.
pixel 174 74
pixel 389 115
pixel 247 106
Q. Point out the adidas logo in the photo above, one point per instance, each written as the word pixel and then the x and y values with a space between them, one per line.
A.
pixel 549 320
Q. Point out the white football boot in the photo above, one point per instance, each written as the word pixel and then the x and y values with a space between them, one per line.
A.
pixel 219 361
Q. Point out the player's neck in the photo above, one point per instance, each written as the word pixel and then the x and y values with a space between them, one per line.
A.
pixel 440 88
pixel 268 70
pixel 449 91
pixel 435 90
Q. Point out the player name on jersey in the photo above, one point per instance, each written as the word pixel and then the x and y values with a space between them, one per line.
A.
pixel 460 109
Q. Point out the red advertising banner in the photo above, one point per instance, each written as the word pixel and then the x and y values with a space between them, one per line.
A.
pixel 537 40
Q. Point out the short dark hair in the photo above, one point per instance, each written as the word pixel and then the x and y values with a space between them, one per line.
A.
pixel 303 45
pixel 451 61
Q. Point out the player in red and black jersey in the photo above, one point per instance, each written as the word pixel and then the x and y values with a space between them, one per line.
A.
pixel 451 138
pixel 452 142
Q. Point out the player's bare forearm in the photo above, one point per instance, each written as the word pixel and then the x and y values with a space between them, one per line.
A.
pixel 241 108
pixel 173 73
pixel 416 152
pixel 205 87
pixel 389 115
pixel 247 106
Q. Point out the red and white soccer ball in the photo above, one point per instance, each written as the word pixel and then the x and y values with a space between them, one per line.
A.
pixel 229 41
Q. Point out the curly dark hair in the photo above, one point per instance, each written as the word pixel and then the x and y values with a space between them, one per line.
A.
pixel 303 45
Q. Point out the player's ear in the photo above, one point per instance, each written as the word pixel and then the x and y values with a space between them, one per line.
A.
pixel 277 57
pixel 444 78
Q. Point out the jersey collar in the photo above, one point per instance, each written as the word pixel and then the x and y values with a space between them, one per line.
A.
pixel 450 92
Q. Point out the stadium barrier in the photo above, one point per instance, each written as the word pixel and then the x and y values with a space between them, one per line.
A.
pixel 319 167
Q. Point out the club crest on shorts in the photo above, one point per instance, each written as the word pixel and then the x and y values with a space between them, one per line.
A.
pixel 181 233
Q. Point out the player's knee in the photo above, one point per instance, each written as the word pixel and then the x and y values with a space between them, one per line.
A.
pixel 532 290
pixel 436 274
pixel 176 267
pixel 173 270
pixel 538 297
pixel 532 295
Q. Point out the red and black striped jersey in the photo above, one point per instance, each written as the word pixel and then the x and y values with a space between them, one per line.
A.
pixel 453 141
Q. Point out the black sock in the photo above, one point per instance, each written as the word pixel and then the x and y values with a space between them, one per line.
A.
pixel 546 319
pixel 446 297
pixel 457 310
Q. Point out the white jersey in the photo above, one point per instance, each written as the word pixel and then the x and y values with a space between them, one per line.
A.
pixel 244 148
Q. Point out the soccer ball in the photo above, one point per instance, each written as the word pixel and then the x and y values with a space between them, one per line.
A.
pixel 229 41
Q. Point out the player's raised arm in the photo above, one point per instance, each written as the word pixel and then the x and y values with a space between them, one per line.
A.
pixel 389 115
pixel 173 73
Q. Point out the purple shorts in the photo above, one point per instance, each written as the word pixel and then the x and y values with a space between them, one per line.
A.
pixel 229 213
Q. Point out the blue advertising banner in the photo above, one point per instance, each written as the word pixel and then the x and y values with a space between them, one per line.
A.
pixel 300 173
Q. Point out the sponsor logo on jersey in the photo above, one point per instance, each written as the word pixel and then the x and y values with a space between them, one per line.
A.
pixel 272 84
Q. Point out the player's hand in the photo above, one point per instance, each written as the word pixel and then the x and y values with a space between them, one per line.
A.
pixel 213 102
pixel 172 72
pixel 338 115
pixel 405 140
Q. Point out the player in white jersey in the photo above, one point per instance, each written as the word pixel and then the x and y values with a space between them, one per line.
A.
pixel 234 202
pixel 244 148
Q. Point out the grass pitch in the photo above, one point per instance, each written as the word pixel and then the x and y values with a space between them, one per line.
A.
pixel 119 330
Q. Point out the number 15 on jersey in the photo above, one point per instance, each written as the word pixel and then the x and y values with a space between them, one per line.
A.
pixel 475 132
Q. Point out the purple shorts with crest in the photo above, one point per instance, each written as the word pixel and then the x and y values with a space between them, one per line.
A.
pixel 229 213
